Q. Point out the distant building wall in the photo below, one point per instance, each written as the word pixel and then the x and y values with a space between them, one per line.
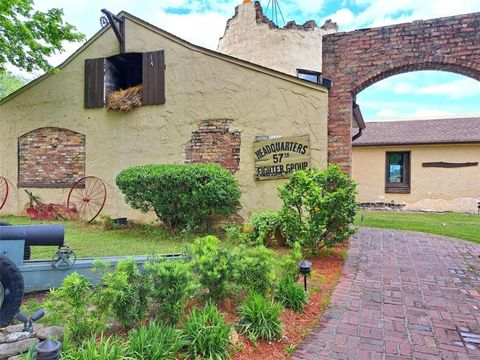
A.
pixel 431 188
pixel 251 36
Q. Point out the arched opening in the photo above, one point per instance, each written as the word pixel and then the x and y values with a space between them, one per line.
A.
pixel 420 148
pixel 50 157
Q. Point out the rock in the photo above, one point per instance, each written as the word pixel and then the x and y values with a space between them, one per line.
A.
pixel 17 336
pixel 19 328
pixel 52 332
pixel 16 357
pixel 11 349
pixel 2 338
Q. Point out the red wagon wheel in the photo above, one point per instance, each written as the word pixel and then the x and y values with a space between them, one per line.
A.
pixel 87 198
pixel 3 191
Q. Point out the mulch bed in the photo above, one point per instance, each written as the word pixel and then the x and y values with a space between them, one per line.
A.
pixel 327 269
pixel 326 272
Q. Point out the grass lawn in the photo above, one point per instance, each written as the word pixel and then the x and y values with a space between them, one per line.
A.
pixel 93 240
pixel 457 225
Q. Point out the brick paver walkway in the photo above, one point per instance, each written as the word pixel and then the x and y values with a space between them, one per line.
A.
pixel 402 295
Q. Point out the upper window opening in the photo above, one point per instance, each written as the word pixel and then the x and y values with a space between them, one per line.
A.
pixel 123 71
pixel 125 81
pixel 313 76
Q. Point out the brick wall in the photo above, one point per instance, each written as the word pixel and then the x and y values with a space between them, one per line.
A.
pixel 215 142
pixel 50 157
pixel 355 60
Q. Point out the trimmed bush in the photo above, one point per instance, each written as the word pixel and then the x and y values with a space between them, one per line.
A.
pixel 318 207
pixel 252 268
pixel 182 196
pixel 124 293
pixel 206 334
pixel 171 285
pixel 212 264
pixel 260 317
pixel 291 294
pixel 154 342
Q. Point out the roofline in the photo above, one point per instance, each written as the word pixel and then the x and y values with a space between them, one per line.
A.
pixel 225 57
pixel 59 67
pixel 178 40
pixel 415 143
pixel 409 120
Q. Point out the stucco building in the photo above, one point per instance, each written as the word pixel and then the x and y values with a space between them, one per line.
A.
pixel 419 164
pixel 198 106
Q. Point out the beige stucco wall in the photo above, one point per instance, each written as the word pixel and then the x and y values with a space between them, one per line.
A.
pixel 199 86
pixel 432 189
pixel 281 49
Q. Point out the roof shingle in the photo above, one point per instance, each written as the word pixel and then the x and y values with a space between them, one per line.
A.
pixel 439 131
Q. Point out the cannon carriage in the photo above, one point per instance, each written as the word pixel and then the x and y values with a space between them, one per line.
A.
pixel 19 275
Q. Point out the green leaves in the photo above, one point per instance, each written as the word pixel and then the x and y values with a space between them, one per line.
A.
pixel 125 293
pixel 207 335
pixel 29 37
pixel 291 294
pixel 260 317
pixel 318 207
pixel 182 196
pixel 154 342
pixel 171 285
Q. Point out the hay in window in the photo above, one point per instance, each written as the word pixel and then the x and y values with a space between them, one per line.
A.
pixel 125 100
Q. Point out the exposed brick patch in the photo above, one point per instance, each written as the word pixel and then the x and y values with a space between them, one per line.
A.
pixel 50 157
pixel 215 142
pixel 355 60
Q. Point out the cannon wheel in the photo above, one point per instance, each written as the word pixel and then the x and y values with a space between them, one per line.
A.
pixel 86 198
pixel 11 291
pixel 3 191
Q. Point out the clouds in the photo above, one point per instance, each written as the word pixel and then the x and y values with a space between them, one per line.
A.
pixel 421 94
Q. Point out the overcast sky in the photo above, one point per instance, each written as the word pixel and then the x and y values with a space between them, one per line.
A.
pixel 416 94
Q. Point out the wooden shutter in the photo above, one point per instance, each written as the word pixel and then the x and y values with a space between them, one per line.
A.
pixel 94 83
pixel 153 78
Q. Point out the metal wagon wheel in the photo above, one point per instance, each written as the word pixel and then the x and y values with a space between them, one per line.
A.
pixel 3 191
pixel 86 198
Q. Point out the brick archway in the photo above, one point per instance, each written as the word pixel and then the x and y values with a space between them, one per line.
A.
pixel 355 60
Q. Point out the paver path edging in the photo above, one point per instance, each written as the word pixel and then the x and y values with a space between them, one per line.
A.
pixel 402 295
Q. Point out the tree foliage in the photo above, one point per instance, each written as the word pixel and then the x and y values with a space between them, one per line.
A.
pixel 29 37
pixel 9 83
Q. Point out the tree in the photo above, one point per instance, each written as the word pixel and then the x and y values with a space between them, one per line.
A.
pixel 9 83
pixel 28 37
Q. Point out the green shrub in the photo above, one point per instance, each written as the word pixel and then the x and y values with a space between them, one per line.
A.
pixel 206 334
pixel 260 317
pixel 252 268
pixel 171 285
pixel 182 196
pixel 291 294
pixel 124 293
pixel 212 264
pixel 318 207
pixel 288 264
pixel 154 342
pixel 74 303
pixel 103 349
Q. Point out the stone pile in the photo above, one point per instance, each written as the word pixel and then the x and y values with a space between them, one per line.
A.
pixel 14 342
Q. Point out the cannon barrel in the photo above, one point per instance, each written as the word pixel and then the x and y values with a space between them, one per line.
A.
pixel 35 235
